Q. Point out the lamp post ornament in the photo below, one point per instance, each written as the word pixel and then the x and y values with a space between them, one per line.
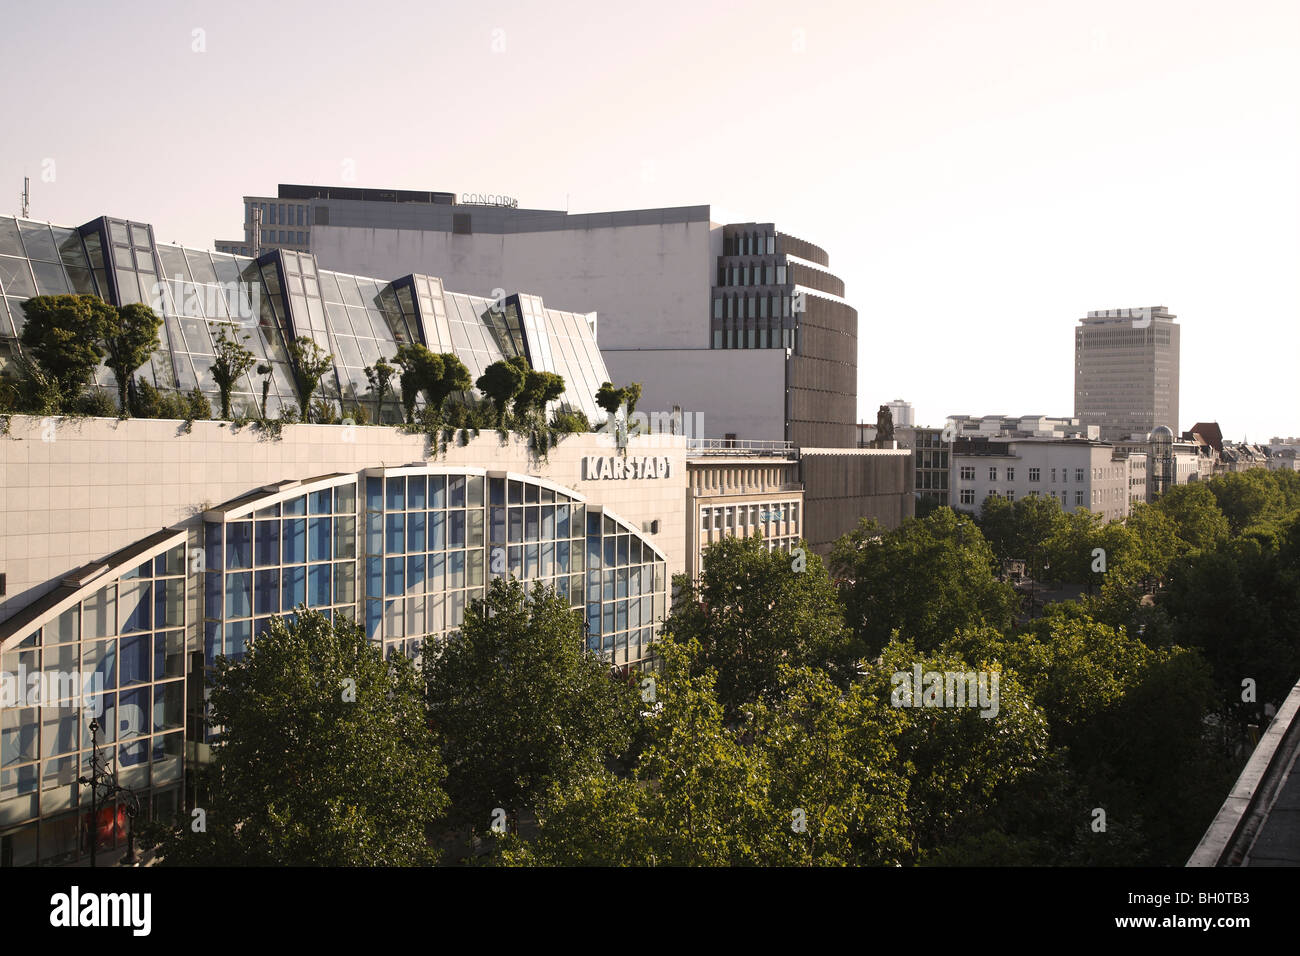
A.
pixel 101 778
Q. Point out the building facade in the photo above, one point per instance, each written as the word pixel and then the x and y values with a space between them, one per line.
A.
pixel 684 302
pixel 1126 371
pixel 1078 473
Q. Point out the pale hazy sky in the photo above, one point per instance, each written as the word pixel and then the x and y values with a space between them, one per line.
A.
pixel 981 173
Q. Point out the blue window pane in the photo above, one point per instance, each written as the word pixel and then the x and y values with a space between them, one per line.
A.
pixel 136 607
pixel 239 544
pixel 593 551
pixel 515 556
pixel 374 494
pixel 295 540
pixel 214 600
pixel 562 556
pixel 395 533
pixel 321 501
pixel 135 659
pixel 394 572
pixel 212 642
pixel 212 540
pixel 455 529
pixel 516 525
pixel 374 534
pixel 437 491
pixel 267 547
pixel 622 549
pixel 607 616
pixel 456 569
pixel 237 636
pixel 395 489
pixel 318 585
pixel 531 532
pixel 611 552
pixel 456 491
pixel 548 523
pixel 374 618
pixel 345 500
pixel 416 493
pixel 562 521
pixel 593 523
pixel 133 710
pixel 593 624
pixel 318 546
pixel 437 572
pixel 266 592
pixel 239 594
pixel 294 589
pixel 496 491
pixel 530 561
pixel 415 574
pixel 437 531
pixel 415 531
pixel 296 506
pixel 562 588
pixel 497 525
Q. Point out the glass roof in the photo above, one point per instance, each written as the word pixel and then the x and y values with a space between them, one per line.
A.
pixel 268 301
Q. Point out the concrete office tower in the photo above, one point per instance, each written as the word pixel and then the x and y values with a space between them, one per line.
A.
pixel 902 412
pixel 1126 371
pixel 739 322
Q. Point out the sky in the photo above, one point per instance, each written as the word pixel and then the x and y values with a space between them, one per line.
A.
pixel 982 174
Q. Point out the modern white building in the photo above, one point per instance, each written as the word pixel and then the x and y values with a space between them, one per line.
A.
pixel 1076 472
pixel 739 321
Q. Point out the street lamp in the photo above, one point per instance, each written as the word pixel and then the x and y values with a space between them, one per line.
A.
pixel 101 778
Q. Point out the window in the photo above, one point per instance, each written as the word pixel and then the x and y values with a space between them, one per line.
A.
pixel 993 473
pixel 1053 476
pixel 1011 495
pixel 1078 476
pixel 1011 473
pixel 968 473
pixel 1034 474
pixel 968 496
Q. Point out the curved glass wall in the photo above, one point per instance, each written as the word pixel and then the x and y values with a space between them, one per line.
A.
pixel 113 649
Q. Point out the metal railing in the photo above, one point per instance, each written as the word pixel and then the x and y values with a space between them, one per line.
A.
pixel 741 446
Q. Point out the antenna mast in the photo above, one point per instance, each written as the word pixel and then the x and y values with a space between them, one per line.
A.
pixel 27 196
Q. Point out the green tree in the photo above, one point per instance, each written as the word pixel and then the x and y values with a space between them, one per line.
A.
pixel 1016 529
pixel 755 610
pixel 64 336
pixel 325 757
pixel 926 580
pixel 230 363
pixel 312 363
pixel 130 339
pixel 453 376
pixel 1195 513
pixel 378 376
pixel 501 382
pixel 1249 497
pixel 264 370
pixel 520 703
pixel 539 389
pixel 419 368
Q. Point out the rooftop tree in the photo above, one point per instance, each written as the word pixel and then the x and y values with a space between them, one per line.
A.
pixel 379 375
pixel 130 339
pixel 312 363
pixel 454 377
pixel 501 382
pixel 64 335
pixel 419 368
pixel 230 362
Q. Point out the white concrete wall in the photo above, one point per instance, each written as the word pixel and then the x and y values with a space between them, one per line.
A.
pixel 1104 485
pixel 740 391
pixel 101 484
pixel 650 284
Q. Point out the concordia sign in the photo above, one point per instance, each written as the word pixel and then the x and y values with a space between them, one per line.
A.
pixel 488 199
pixel 602 468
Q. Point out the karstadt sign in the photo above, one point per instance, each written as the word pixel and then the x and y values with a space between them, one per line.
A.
pixel 616 467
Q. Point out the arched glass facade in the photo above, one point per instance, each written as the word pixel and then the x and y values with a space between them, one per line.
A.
pixel 405 550
pixel 112 648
